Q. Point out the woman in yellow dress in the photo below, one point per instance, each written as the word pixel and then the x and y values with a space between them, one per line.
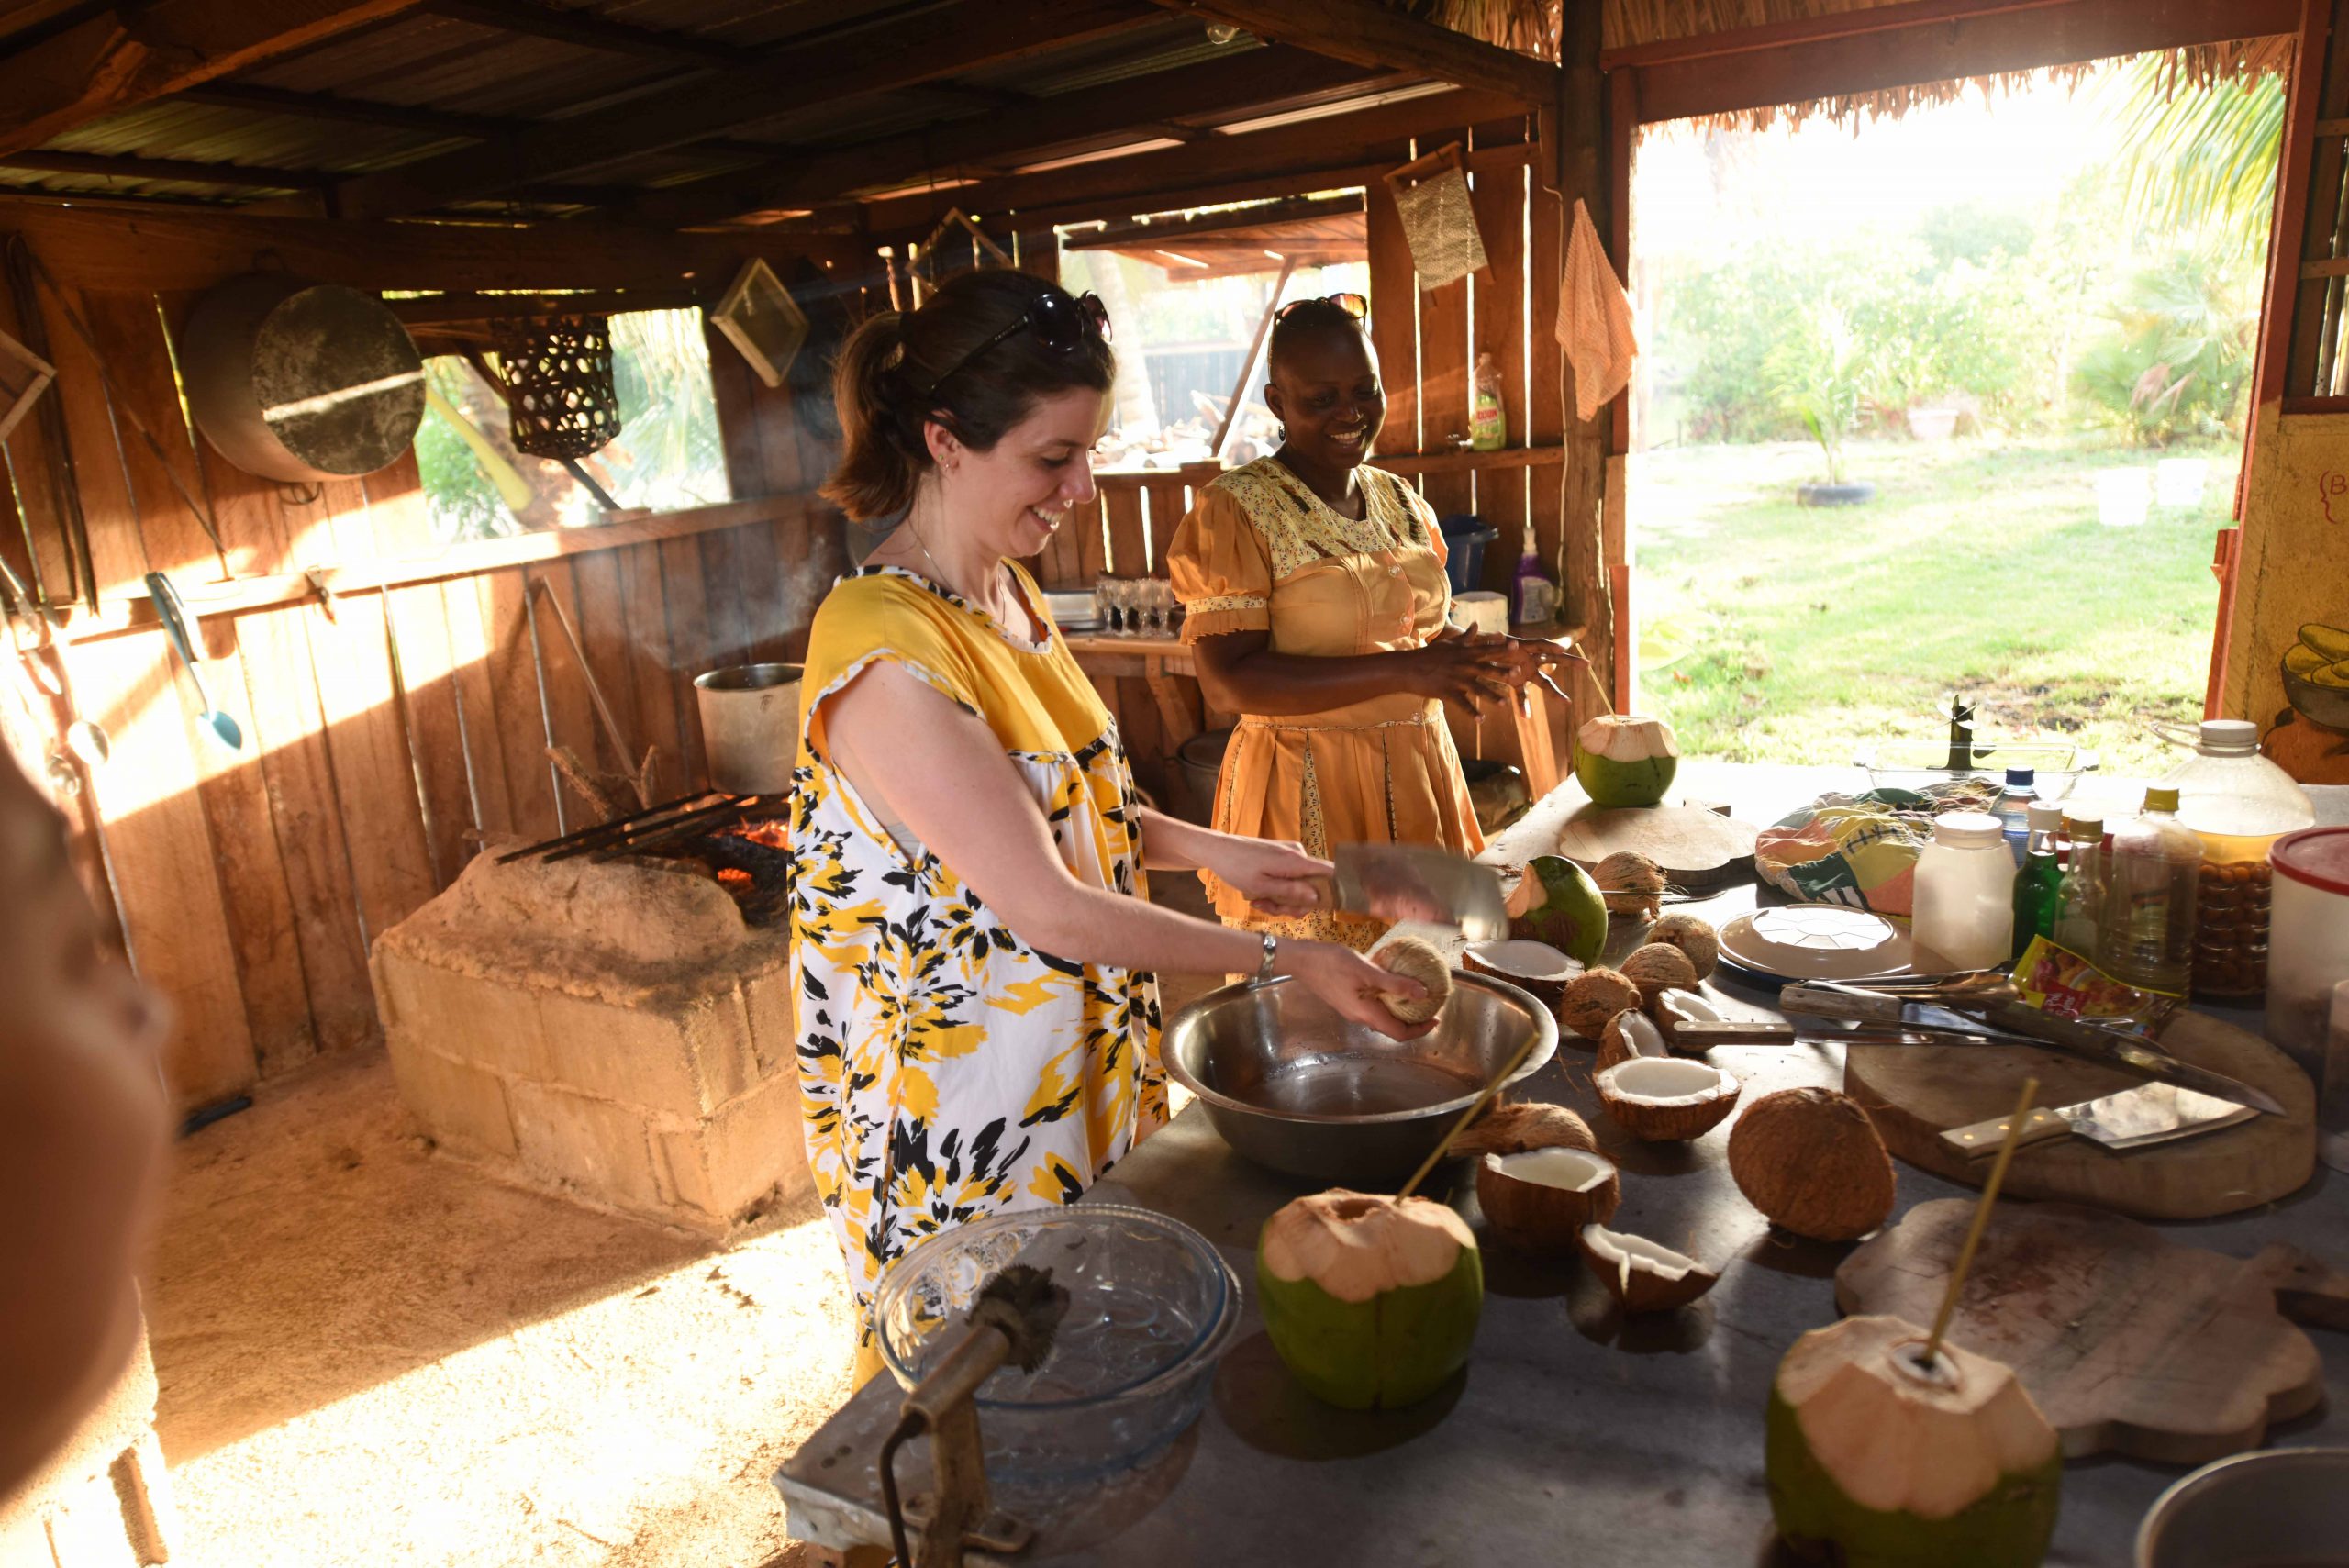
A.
pixel 971 935
pixel 1315 605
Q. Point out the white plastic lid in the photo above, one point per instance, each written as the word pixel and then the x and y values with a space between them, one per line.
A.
pixel 2047 816
pixel 1968 830
pixel 2229 735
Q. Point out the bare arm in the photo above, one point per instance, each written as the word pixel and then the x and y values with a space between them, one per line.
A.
pixel 1238 673
pixel 947 778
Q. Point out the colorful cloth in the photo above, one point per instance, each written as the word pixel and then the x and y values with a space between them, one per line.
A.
pixel 947 1069
pixel 1261 552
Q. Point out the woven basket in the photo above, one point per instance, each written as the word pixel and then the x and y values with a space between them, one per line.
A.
pixel 560 401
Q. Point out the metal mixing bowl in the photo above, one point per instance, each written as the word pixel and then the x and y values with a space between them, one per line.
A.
pixel 1292 1085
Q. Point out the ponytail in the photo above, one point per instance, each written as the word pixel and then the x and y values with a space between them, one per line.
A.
pixel 878 464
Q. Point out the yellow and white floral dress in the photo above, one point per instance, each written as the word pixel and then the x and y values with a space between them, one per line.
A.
pixel 947 1069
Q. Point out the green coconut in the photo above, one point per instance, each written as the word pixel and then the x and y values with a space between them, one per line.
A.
pixel 1875 1459
pixel 1557 903
pixel 1371 1301
pixel 1625 760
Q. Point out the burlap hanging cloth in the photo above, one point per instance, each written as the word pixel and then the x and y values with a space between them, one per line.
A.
pixel 1595 320
pixel 1432 199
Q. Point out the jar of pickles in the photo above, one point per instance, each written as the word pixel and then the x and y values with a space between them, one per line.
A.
pixel 2238 803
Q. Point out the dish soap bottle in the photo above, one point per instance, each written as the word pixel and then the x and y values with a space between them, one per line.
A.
pixel 1488 420
pixel 2147 936
pixel 1532 597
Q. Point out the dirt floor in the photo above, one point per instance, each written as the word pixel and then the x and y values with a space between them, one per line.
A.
pixel 371 1355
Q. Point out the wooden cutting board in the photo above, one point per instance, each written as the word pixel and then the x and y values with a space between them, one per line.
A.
pixel 2127 1340
pixel 1699 850
pixel 1917 1093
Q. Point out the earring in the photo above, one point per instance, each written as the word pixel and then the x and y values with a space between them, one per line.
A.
pixel 1280 434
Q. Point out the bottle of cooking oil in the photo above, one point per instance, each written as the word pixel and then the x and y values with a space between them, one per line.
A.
pixel 2146 938
pixel 2238 803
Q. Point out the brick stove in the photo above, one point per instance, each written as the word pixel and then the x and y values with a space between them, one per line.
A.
pixel 609 1017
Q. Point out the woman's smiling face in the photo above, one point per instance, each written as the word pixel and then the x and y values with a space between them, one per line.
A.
pixel 1325 391
pixel 1016 495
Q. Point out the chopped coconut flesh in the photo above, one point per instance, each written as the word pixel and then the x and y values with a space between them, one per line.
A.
pixel 1536 960
pixel 1627 1253
pixel 1640 1034
pixel 1568 1168
pixel 1667 1081
pixel 1893 1439
pixel 1356 1246
pixel 1621 739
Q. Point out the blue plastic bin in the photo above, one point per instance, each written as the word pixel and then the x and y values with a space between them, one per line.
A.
pixel 1465 539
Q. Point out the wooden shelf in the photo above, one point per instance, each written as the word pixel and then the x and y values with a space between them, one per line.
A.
pixel 1469 462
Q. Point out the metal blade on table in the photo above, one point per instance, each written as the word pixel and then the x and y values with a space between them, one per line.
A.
pixel 2140 1118
pixel 1417 882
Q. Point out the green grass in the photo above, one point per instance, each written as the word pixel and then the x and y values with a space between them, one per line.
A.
pixel 1979 568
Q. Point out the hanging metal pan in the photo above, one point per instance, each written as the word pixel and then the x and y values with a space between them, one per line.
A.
pixel 295 381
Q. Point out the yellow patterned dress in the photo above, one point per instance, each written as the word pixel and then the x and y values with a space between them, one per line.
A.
pixel 947 1069
pixel 1260 551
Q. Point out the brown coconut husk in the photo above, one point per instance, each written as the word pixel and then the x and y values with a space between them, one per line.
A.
pixel 1657 968
pixel 1693 937
pixel 1512 1126
pixel 1812 1161
pixel 1632 883
pixel 1415 960
pixel 1592 999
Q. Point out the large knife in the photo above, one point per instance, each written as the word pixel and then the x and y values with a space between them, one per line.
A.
pixel 2013 1023
pixel 2133 1119
pixel 1417 881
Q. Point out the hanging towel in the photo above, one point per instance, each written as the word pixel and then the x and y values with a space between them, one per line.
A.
pixel 1594 320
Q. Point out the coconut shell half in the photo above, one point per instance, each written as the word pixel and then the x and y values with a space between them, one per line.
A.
pixel 1813 1163
pixel 1672 1008
pixel 1630 1033
pixel 1514 1125
pixel 1537 968
pixel 1666 1099
pixel 1641 1275
pixel 1540 1200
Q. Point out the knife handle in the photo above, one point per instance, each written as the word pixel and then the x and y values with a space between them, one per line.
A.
pixel 1983 1138
pixel 1831 1002
pixel 1725 1031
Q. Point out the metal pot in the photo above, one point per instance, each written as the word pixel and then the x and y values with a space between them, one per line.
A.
pixel 2252 1510
pixel 299 381
pixel 750 726
pixel 1293 1086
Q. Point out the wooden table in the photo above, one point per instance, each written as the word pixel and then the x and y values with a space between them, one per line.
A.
pixel 1575 1436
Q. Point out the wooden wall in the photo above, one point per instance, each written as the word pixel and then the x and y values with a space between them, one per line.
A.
pixel 385 732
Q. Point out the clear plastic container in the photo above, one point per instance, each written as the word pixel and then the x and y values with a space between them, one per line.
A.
pixel 2079 896
pixel 2238 803
pixel 2146 938
pixel 1966 888
pixel 2310 953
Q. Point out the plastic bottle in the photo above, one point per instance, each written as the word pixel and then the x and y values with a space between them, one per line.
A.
pixel 2079 897
pixel 1532 597
pixel 2146 938
pixel 2041 876
pixel 2238 803
pixel 1488 419
pixel 2014 809
pixel 1965 883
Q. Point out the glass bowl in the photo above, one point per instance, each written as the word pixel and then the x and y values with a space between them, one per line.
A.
pixel 1152 1307
pixel 1915 765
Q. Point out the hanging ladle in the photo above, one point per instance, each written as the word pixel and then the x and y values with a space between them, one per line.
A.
pixel 173 615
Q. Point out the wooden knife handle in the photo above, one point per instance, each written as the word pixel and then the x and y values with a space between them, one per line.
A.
pixel 1721 1031
pixel 1982 1140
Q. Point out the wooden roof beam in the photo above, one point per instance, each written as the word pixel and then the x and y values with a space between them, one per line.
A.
pixel 965 35
pixel 130 55
pixel 569 25
pixel 998 143
pixel 1367 33
pixel 1293 209
pixel 237 177
pixel 333 107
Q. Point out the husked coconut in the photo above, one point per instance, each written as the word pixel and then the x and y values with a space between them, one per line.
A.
pixel 1370 1301
pixel 1415 960
pixel 1593 998
pixel 1657 968
pixel 1629 1034
pixel 1666 1099
pixel 1540 1200
pixel 1812 1161
pixel 1632 884
pixel 1644 1275
pixel 1537 967
pixel 1513 1126
pixel 1693 937
pixel 1625 760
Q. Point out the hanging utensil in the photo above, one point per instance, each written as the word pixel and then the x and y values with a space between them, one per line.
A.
pixel 173 615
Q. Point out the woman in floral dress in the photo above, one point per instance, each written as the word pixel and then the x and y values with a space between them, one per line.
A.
pixel 971 937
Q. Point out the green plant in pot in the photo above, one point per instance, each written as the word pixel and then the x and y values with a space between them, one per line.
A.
pixel 1821 376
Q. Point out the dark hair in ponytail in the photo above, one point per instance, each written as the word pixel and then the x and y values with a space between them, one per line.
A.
pixel 885 383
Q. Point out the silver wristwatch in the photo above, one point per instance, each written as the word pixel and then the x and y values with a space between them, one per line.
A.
pixel 1272 956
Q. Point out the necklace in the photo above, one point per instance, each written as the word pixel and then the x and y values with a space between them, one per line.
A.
pixel 993 609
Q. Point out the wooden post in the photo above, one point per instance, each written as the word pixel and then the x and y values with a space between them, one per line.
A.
pixel 1586 585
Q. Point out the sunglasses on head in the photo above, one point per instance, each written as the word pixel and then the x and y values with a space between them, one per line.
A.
pixel 1352 305
pixel 1060 321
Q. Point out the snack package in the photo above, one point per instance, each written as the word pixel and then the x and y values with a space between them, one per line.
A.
pixel 2057 981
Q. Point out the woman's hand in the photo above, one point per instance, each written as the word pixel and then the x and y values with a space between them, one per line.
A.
pixel 1351 986
pixel 1467 671
pixel 1276 877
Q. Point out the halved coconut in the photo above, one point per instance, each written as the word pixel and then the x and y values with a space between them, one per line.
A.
pixel 1666 1099
pixel 1657 968
pixel 1630 1033
pixel 1537 967
pixel 1516 1125
pixel 1642 1274
pixel 1540 1200
pixel 1676 1008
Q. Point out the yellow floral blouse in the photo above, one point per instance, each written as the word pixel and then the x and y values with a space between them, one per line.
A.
pixel 947 1069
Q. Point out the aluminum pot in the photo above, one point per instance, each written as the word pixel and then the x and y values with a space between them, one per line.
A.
pixel 2253 1511
pixel 1291 1086
pixel 750 726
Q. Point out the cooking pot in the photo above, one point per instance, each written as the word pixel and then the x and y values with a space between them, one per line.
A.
pixel 750 726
